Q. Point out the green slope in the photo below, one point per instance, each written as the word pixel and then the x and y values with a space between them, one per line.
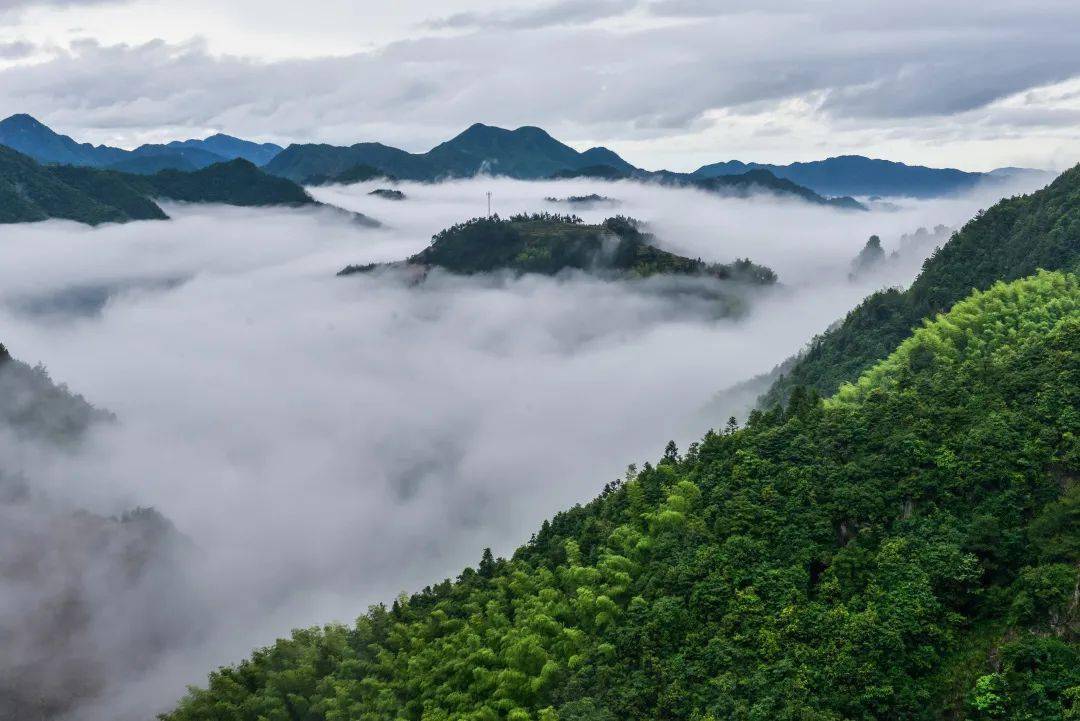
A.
pixel 1010 240
pixel 112 188
pixel 31 192
pixel 907 550
pixel 236 182
pixel 355 174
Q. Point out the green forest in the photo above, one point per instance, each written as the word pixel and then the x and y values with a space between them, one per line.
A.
pixel 907 549
pixel 1011 240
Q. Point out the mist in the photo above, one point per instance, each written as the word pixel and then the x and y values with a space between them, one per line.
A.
pixel 326 443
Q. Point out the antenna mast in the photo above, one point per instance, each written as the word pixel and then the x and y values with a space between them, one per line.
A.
pixel 489 203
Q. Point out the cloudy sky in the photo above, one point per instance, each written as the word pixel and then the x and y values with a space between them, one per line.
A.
pixel 666 83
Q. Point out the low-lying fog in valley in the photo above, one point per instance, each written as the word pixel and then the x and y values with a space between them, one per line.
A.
pixel 325 443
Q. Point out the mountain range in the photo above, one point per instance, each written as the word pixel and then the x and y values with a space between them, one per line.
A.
pixel 31 137
pixel 862 176
pixel 528 153
pixel 30 191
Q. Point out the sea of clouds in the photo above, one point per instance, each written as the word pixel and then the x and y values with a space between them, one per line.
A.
pixel 325 443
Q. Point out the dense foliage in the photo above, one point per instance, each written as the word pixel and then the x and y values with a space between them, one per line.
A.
pixel 906 550
pixel 548 243
pixel 237 182
pixel 356 174
pixel 31 192
pixel 1011 240
pixel 111 188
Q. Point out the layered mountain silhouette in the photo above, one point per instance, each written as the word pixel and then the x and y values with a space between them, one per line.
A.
pixel 230 148
pixel 24 133
pixel 858 175
pixel 29 136
pixel 30 191
pixel 527 153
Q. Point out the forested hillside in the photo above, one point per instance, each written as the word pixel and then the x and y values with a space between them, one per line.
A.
pixel 907 549
pixel 237 182
pixel 1010 240
pixel 31 192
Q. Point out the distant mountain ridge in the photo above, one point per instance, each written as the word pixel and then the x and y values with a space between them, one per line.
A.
pixel 31 137
pixel 230 148
pixel 859 175
pixel 27 135
pixel 742 185
pixel 527 153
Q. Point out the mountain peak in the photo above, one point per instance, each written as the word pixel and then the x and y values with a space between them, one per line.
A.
pixel 532 130
pixel 30 136
pixel 23 123
pixel 479 130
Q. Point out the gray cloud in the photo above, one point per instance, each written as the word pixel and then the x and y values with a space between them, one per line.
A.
pixel 17 5
pixel 565 12
pixel 15 50
pixel 882 69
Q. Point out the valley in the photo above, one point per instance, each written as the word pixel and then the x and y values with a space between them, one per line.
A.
pixel 546 360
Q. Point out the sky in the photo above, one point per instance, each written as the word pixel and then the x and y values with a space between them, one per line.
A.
pixel 666 83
